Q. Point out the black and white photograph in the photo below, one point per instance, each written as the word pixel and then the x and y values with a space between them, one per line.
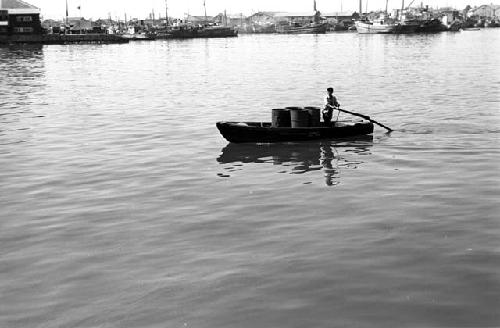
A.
pixel 249 164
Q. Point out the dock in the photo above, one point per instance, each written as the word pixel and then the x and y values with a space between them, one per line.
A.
pixel 62 39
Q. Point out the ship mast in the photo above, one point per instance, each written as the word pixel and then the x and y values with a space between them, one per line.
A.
pixel 66 17
pixel 360 7
pixel 166 13
pixel 204 6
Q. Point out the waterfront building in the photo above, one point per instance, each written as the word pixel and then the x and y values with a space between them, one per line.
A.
pixel 262 18
pixel 19 18
pixel 200 20
pixel 485 11
pixel 340 20
pixel 340 16
pixel 298 17
pixel 230 19
pixel 79 25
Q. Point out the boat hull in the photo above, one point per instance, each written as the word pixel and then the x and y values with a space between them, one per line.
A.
pixel 431 26
pixel 264 132
pixel 314 29
pixel 369 28
pixel 193 33
pixel 138 37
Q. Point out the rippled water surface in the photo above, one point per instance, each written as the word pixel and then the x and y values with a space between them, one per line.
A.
pixel 122 206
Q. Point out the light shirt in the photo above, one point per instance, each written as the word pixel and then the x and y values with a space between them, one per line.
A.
pixel 331 100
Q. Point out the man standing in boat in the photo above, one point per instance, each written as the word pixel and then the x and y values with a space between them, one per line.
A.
pixel 331 102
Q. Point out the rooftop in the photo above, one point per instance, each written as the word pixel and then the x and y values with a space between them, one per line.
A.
pixel 15 4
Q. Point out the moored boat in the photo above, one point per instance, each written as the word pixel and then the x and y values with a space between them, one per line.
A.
pixel 433 25
pixel 377 27
pixel 313 28
pixel 264 132
pixel 316 26
pixel 187 31
pixel 139 37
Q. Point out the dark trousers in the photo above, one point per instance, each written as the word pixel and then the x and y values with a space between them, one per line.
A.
pixel 327 115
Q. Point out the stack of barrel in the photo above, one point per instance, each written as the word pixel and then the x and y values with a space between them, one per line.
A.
pixel 296 117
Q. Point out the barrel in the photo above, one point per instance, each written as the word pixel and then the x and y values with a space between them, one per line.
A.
pixel 281 118
pixel 299 118
pixel 314 116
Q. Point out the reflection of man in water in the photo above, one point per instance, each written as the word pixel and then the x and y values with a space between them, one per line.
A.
pixel 326 161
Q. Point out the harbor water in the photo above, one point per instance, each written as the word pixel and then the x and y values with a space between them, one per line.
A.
pixel 121 205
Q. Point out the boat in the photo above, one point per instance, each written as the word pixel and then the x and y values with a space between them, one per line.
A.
pixel 191 32
pixel 433 25
pixel 377 27
pixel 132 35
pixel 188 30
pixel 138 37
pixel 296 28
pixel 316 26
pixel 408 26
pixel 455 26
pixel 264 132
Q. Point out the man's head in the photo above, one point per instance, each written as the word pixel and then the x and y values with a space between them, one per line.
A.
pixel 330 90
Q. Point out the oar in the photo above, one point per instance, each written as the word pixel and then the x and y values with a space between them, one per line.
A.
pixel 362 116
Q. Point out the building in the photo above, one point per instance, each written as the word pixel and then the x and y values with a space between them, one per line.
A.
pixel 230 19
pixel 485 11
pixel 18 17
pixel 79 25
pixel 262 18
pixel 338 17
pixel 298 17
pixel 200 20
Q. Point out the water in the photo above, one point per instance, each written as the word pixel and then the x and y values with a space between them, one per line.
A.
pixel 122 206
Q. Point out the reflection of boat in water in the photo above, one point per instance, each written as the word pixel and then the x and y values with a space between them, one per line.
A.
pixel 296 158
pixel 265 132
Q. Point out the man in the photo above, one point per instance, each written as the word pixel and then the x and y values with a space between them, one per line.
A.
pixel 328 111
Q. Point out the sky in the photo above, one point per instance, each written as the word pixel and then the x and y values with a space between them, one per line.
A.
pixel 179 8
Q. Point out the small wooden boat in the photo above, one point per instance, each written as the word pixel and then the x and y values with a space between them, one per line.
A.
pixel 377 27
pixel 313 28
pixel 259 132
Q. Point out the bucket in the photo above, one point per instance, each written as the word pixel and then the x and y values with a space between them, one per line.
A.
pixel 314 116
pixel 299 118
pixel 281 118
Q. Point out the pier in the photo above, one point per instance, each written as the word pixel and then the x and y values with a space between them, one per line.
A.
pixel 62 39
